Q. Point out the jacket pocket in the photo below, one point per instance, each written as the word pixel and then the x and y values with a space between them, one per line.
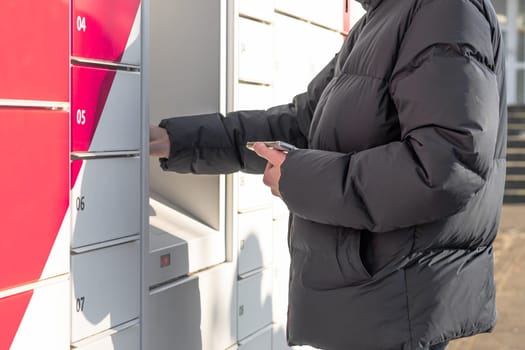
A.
pixel 349 256
pixel 329 256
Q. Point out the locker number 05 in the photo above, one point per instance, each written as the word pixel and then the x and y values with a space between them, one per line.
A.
pixel 81 116
pixel 81 24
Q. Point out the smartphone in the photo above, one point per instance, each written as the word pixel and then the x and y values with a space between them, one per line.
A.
pixel 277 145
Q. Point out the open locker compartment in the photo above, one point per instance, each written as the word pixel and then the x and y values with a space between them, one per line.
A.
pixel 183 77
pixel 184 245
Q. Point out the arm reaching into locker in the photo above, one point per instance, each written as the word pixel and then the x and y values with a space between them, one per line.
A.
pixel 214 144
pixel 159 142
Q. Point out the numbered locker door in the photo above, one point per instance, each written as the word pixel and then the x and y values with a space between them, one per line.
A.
pixel 105 107
pixel 107 30
pixel 105 289
pixel 105 199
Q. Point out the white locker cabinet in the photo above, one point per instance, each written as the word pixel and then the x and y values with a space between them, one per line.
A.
pixel 331 15
pixel 252 192
pixel 106 30
pixel 260 9
pixel 105 200
pixel 254 303
pixel 279 337
pixel 125 339
pixel 280 210
pixel 105 289
pixel 36 319
pixel 291 75
pixel 255 51
pixel 327 44
pixel 255 240
pixel 194 313
pixel 281 267
pixel 261 340
pixel 105 110
pixel 251 96
pixel 296 8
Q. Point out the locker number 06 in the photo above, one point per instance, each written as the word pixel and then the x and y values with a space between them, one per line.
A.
pixel 81 24
pixel 81 116
pixel 80 203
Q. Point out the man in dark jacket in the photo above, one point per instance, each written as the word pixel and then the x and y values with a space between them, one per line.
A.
pixel 396 189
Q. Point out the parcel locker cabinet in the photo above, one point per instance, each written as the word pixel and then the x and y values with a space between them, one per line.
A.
pixel 254 303
pixel 35 50
pixel 255 51
pixel 125 337
pixel 37 318
pixel 107 30
pixel 105 199
pixel 105 289
pixel 34 200
pixel 255 240
pixel 259 9
pixel 198 312
pixel 105 110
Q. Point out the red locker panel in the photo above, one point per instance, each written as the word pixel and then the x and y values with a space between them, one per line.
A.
pixel 100 121
pixel 36 319
pixel 34 190
pixel 102 29
pixel 12 311
pixel 35 50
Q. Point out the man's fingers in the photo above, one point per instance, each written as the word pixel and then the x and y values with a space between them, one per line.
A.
pixel 273 156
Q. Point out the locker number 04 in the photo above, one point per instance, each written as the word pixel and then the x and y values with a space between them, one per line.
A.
pixel 81 116
pixel 81 24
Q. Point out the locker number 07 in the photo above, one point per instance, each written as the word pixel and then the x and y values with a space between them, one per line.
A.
pixel 81 116
pixel 81 24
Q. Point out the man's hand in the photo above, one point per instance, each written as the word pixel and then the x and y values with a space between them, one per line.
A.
pixel 159 142
pixel 272 173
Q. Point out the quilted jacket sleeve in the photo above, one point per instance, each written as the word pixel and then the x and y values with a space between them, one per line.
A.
pixel 446 93
pixel 214 144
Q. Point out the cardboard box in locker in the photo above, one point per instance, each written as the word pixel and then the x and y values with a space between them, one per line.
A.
pixel 255 51
pixel 260 9
pixel 125 339
pixel 105 199
pixel 105 289
pixel 34 62
pixel 36 319
pixel 254 303
pixel 106 30
pixel 34 195
pixel 255 240
pixel 105 110
pixel 179 245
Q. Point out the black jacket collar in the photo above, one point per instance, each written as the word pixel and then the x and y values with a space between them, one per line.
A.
pixel 369 4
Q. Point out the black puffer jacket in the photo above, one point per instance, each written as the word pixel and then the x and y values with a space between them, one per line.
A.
pixel 396 194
